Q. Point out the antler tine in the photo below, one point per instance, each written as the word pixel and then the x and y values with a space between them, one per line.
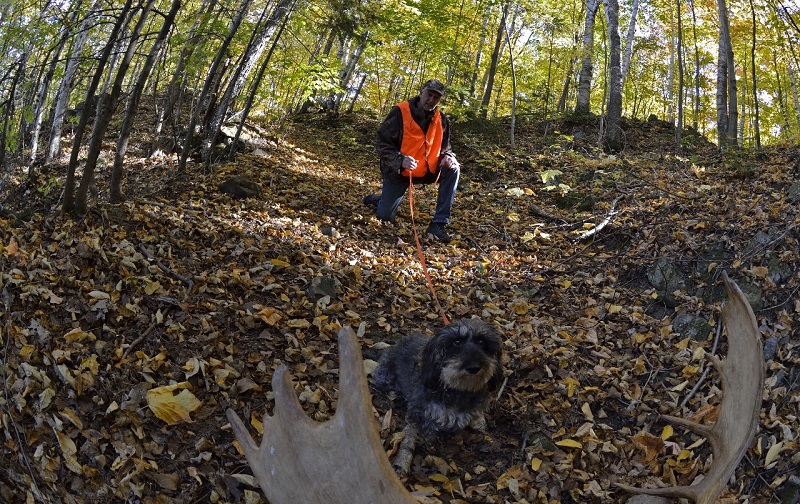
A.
pixel 742 383
pixel 340 461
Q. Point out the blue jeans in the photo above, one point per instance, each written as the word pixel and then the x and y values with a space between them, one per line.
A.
pixel 395 186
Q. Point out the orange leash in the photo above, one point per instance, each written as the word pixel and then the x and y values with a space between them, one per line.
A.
pixel 419 250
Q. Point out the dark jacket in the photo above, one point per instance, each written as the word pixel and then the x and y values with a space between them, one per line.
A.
pixel 390 137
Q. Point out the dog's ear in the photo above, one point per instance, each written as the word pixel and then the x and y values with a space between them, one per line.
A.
pixel 430 363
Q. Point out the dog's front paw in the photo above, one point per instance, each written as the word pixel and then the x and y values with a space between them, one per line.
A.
pixel 478 423
pixel 402 462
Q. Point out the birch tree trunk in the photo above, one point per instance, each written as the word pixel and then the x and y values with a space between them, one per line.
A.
pixel 587 67
pixel 249 61
pixel 727 106
pixel 133 103
pixel 41 95
pixel 613 133
pixel 626 59
pixel 696 97
pixel 64 89
pixel 756 118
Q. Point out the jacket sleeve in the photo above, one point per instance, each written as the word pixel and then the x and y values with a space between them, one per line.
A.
pixel 447 149
pixel 390 138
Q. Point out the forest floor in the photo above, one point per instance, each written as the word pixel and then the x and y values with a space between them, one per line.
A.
pixel 185 289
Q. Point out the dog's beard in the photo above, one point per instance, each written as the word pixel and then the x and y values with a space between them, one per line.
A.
pixel 453 375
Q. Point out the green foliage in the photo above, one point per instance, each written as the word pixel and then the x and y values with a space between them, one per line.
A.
pixel 552 181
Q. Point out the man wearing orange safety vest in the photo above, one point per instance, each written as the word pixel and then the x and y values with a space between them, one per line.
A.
pixel 414 140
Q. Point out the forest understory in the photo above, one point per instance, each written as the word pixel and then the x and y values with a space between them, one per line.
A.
pixel 127 334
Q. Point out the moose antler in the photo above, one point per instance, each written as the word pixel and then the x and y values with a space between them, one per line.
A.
pixel 336 462
pixel 742 375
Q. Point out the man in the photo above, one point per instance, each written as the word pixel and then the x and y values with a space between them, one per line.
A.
pixel 415 139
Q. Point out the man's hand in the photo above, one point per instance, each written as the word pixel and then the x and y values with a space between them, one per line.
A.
pixel 409 162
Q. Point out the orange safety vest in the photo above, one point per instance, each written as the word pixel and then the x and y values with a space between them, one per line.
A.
pixel 425 148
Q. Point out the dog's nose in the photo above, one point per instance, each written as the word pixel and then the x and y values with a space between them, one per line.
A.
pixel 473 369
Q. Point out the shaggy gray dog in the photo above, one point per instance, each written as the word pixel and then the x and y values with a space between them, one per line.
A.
pixel 445 381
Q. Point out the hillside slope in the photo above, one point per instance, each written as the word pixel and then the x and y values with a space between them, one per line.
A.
pixel 186 288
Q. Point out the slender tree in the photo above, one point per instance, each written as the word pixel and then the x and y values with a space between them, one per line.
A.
pixel 587 67
pixel 133 103
pixel 613 132
pixel 487 93
pixel 756 119
pixel 679 47
pixel 727 107
pixel 68 200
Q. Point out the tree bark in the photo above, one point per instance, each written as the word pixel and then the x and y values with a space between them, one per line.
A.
pixel 626 60
pixel 64 89
pixel 108 103
pixel 583 105
pixel 756 118
pixel 679 124
pixel 487 93
pixel 727 111
pixel 249 61
pixel 68 201
pixel 211 82
pixel 613 133
pixel 133 103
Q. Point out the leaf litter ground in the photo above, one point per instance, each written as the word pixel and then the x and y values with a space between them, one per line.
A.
pixel 127 334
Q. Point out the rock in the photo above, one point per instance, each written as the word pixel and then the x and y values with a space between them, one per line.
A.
pixel 691 326
pixel 240 186
pixel 666 278
pixel 322 286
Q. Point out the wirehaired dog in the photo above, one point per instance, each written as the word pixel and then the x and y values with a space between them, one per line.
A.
pixel 445 381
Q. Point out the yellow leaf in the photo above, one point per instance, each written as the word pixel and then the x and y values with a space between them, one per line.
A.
pixel 152 287
pixel 614 309
pixel 667 432
pixel 278 262
pixel 439 478
pixel 587 411
pixel 569 443
pixel 759 271
pixel 684 455
pixel 566 284
pixel 571 384
pixel 513 217
pixel 772 453
pixel 299 323
pixel 536 463
pixel 269 315
pixel 96 294
pixel 172 408
pixel 68 449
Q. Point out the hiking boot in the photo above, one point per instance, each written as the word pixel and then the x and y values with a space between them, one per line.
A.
pixel 371 200
pixel 436 229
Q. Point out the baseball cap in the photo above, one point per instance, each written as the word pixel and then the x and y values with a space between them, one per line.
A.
pixel 433 85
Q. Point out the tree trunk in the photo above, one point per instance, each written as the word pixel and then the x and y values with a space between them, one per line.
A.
pixel 251 57
pixel 679 124
pixel 756 119
pixel 487 93
pixel 211 82
pixel 41 96
pixel 64 89
pixel 473 85
pixel 68 201
pixel 513 86
pixel 727 111
pixel 251 96
pixel 613 133
pixel 175 89
pixel 108 104
pixel 133 103
pixel 696 97
pixel 626 60
pixel 587 67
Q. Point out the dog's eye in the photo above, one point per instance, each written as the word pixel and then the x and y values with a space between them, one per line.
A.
pixel 458 342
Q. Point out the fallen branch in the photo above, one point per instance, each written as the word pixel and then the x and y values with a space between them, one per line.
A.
pixel 188 283
pixel 596 229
